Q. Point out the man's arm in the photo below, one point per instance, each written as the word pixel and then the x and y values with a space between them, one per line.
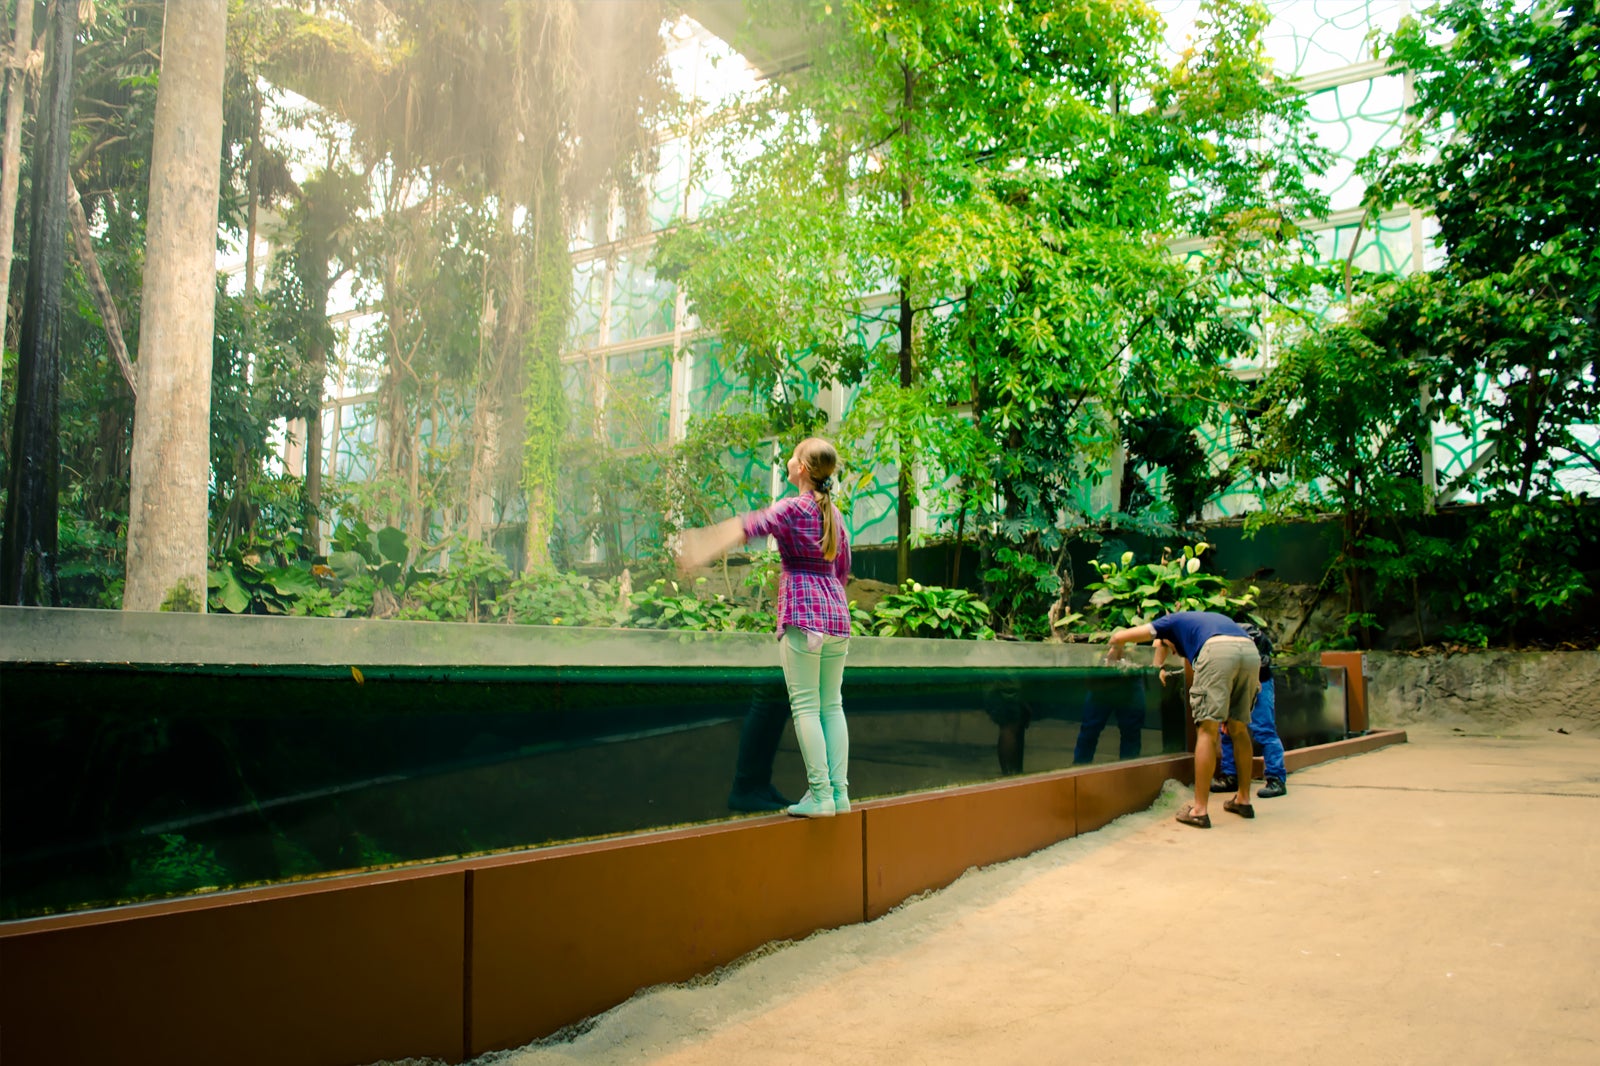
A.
pixel 1164 648
pixel 1131 635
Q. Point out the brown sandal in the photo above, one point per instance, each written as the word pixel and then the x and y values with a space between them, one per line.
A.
pixel 1199 821
pixel 1243 810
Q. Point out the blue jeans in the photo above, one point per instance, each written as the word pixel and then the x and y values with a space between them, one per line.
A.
pixel 1263 734
pixel 815 678
pixel 1130 723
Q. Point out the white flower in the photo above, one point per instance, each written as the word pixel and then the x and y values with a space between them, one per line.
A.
pixel 1192 565
pixel 1127 558
pixel 916 587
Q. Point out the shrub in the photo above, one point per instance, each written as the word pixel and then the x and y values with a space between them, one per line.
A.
pixel 1131 595
pixel 929 611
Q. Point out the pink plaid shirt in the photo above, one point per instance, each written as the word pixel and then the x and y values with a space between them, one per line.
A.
pixel 810 588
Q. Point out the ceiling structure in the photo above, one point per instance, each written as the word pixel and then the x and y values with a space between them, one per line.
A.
pixel 773 48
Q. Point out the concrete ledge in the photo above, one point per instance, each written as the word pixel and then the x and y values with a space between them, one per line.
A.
pixel 59 635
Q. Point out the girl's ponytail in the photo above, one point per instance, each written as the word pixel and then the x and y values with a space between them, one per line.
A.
pixel 820 460
pixel 830 528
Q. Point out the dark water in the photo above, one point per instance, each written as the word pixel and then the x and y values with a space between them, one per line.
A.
pixel 121 783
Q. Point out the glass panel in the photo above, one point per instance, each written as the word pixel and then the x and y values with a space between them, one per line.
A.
pixel 167 780
pixel 588 296
pixel 641 305
pixel 636 396
pixel 713 384
pixel 666 185
pixel 1349 120
pixel 1311 705
pixel 358 442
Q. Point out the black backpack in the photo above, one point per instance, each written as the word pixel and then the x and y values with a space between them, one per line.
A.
pixel 1263 645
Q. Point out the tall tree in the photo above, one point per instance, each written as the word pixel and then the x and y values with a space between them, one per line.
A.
pixel 517 114
pixel 1503 147
pixel 1006 180
pixel 171 430
pixel 28 563
pixel 11 153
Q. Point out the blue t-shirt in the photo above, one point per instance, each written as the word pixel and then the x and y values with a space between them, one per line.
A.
pixel 1188 630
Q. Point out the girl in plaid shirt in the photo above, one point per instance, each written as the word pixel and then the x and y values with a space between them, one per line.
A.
pixel 813 615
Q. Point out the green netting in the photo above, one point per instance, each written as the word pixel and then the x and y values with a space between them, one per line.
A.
pixel 641 304
pixel 637 385
pixel 588 302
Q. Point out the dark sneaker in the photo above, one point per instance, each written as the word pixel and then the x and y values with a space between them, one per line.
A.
pixel 1224 783
pixel 755 802
pixel 1274 787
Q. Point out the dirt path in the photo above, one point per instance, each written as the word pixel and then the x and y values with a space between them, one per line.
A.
pixel 1436 902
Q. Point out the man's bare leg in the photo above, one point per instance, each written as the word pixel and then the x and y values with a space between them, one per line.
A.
pixel 1243 757
pixel 1206 745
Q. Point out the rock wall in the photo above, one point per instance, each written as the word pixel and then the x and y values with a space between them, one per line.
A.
pixel 1491 689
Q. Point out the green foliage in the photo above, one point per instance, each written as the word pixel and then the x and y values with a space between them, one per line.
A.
pixel 929 611
pixel 984 165
pixel 356 549
pixel 243 583
pixel 1132 594
pixel 465 591
pixel 1502 147
pixel 175 866
pixel 550 597
pixel 665 605
pixel 91 571
pixel 1520 573
pixel 1021 584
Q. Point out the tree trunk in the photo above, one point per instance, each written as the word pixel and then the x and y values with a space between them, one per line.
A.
pixel 28 552
pixel 317 286
pixel 11 157
pixel 544 403
pixel 171 424
pixel 110 319
pixel 902 554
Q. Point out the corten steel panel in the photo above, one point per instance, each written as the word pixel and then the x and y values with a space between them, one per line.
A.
pixel 1355 686
pixel 1122 788
pixel 927 841
pixel 313 975
pixel 563 934
pixel 1301 758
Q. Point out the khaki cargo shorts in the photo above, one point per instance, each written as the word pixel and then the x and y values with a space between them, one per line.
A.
pixel 1227 676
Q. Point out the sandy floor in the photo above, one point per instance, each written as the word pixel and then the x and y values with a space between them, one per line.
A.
pixel 1437 902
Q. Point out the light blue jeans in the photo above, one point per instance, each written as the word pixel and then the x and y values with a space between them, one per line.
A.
pixel 813 668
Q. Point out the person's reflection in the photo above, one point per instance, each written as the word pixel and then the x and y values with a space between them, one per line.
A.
pixel 1122 696
pixel 1004 703
pixel 758 747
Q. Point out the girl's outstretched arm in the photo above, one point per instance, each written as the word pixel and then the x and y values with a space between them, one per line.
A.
pixel 697 547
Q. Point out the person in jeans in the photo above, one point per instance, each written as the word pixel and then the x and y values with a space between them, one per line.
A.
pixel 1263 731
pixel 1123 699
pixel 813 614
pixel 1226 668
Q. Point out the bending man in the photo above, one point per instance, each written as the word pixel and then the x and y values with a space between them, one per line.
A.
pixel 1226 669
